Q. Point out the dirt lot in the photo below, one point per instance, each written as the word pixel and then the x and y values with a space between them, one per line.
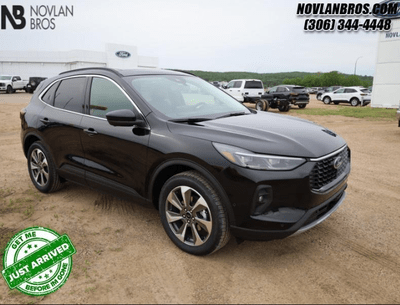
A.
pixel 124 256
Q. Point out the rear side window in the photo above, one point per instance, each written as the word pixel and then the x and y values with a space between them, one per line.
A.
pixel 70 95
pixel 364 90
pixel 48 97
pixel 282 89
pixel 253 85
pixel 105 96
pixel 350 90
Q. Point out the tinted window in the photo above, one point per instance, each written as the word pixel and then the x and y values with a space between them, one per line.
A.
pixel 70 94
pixel 282 89
pixel 350 90
pixel 105 96
pixel 48 97
pixel 365 91
pixel 237 84
pixel 273 89
pixel 253 85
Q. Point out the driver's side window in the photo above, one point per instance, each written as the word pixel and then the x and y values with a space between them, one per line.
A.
pixel 105 96
pixel 273 89
pixel 339 91
pixel 230 85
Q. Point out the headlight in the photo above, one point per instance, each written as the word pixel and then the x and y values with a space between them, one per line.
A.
pixel 245 158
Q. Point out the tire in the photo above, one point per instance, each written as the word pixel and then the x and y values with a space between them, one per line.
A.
pixel 302 106
pixel 44 177
pixel 9 89
pixel 354 102
pixel 319 96
pixel 284 108
pixel 336 103
pixel 261 105
pixel 327 100
pixel 207 229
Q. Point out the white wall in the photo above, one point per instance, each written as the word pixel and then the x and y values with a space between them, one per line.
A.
pixel 49 64
pixel 386 87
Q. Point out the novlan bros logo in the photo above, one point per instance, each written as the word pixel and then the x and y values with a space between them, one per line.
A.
pixel 16 14
pixel 43 17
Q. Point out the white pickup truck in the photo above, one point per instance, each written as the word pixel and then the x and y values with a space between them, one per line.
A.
pixel 11 83
pixel 242 89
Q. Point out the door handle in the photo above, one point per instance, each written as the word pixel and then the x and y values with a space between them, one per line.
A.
pixel 45 121
pixel 90 131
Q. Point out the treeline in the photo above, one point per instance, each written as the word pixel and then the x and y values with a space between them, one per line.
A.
pixel 293 78
pixel 329 79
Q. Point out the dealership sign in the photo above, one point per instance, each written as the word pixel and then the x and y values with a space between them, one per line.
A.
pixel 38 17
pixel 123 54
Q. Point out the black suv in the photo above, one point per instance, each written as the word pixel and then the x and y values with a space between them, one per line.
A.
pixel 295 95
pixel 211 166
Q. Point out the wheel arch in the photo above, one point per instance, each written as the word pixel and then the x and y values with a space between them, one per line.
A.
pixel 28 141
pixel 172 167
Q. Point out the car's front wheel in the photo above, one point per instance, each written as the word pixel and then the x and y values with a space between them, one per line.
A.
pixel 301 106
pixel 192 214
pixel 42 169
pixel 284 108
pixel 327 100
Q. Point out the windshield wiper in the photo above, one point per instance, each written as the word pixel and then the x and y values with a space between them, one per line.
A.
pixel 232 114
pixel 190 120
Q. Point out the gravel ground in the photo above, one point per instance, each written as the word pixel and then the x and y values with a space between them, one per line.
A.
pixel 124 256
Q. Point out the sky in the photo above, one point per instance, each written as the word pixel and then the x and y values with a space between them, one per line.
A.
pixel 260 36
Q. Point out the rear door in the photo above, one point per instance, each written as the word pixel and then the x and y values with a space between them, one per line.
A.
pixel 115 157
pixel 60 125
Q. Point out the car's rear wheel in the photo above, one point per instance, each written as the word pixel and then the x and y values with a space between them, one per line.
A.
pixel 301 106
pixel 192 214
pixel 261 105
pixel 327 100
pixel 42 169
pixel 354 102
pixel 319 96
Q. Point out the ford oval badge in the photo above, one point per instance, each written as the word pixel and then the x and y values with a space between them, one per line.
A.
pixel 123 54
pixel 388 9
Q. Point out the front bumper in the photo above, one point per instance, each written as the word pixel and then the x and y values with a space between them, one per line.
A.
pixel 310 219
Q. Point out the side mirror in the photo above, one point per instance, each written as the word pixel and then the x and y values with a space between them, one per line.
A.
pixel 224 87
pixel 123 117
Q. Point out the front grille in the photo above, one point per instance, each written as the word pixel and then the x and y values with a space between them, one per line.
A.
pixel 324 171
pixel 2 84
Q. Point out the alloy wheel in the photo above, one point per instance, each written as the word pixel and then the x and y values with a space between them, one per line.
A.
pixel 39 167
pixel 188 216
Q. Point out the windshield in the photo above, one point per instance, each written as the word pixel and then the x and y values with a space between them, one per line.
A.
pixel 5 77
pixel 178 96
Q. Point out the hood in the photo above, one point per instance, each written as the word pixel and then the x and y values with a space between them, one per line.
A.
pixel 266 133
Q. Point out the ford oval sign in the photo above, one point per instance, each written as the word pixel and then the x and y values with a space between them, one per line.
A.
pixel 123 54
pixel 387 9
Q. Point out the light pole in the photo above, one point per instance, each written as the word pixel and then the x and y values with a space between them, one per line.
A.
pixel 355 66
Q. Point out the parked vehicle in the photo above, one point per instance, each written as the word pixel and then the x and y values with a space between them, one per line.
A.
pixel 211 166
pixel 216 84
pixel 352 95
pixel 10 83
pixel 243 89
pixel 296 95
pixel 325 90
pixel 34 83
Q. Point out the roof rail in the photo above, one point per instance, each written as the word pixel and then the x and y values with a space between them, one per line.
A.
pixel 182 71
pixel 93 68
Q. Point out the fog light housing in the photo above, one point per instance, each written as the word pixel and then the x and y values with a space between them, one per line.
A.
pixel 262 199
